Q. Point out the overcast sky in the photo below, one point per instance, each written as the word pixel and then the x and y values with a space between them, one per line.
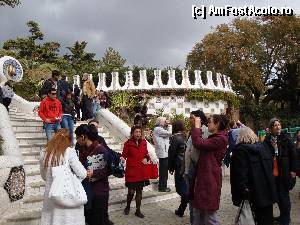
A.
pixel 157 33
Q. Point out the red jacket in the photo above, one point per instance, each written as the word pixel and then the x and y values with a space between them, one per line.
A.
pixel 206 190
pixel 134 154
pixel 50 109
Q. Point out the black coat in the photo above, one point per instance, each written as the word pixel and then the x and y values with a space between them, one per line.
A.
pixel 176 152
pixel 252 168
pixel 286 156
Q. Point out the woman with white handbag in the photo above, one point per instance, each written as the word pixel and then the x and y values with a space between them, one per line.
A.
pixel 64 196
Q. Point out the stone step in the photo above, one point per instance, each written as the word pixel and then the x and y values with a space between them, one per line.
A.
pixel 32 216
pixel 35 182
pixel 32 140
pixel 41 136
pixel 31 162
pixel 28 128
pixel 24 119
pixel 31 147
pixel 34 170
pixel 26 123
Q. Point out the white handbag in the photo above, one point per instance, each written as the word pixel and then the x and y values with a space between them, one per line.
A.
pixel 245 214
pixel 66 189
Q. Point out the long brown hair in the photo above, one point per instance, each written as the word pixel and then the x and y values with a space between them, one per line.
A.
pixel 56 147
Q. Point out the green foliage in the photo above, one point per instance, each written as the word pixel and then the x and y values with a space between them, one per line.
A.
pixel 27 88
pixel 30 49
pixel 212 96
pixel 249 50
pixel 186 121
pixel 79 60
pixel 122 104
pixel 11 3
pixel 112 61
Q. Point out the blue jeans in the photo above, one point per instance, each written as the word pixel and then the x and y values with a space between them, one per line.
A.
pixel 68 122
pixel 50 128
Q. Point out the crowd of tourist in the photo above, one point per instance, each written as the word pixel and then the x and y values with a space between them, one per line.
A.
pixel 261 172
pixel 61 106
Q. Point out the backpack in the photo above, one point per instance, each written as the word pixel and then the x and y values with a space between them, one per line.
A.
pixel 115 164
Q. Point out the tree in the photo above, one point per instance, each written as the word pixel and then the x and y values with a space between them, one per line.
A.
pixel 11 3
pixel 30 48
pixel 80 60
pixel 250 51
pixel 112 61
pixel 285 88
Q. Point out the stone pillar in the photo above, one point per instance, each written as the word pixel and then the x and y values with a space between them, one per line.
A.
pixel 230 84
pixel 210 83
pixel 129 85
pixel 143 84
pixel 76 80
pixel 115 84
pixel 157 83
pixel 219 82
pixel 172 81
pixel 226 85
pixel 185 79
pixel 102 82
pixel 198 80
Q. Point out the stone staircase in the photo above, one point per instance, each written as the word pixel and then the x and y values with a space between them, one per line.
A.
pixel 31 139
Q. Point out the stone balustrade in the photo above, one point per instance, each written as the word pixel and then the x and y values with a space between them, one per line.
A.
pixel 223 82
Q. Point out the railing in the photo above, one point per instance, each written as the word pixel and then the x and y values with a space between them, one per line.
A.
pixel 120 129
pixel 225 86
pixel 22 105
pixel 11 158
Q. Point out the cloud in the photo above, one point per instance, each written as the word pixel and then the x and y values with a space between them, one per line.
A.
pixel 150 33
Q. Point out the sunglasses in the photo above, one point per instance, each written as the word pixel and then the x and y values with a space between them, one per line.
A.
pixel 53 93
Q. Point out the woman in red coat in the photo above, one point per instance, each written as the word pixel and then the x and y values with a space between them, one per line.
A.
pixel 206 190
pixel 136 174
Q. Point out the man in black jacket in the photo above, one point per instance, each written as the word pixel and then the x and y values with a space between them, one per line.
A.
pixel 49 84
pixel 285 162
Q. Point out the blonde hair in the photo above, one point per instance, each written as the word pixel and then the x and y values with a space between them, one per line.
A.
pixel 160 120
pixel 56 147
pixel 246 136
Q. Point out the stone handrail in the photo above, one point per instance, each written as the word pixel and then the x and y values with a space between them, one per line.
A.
pixel 120 128
pixel 11 157
pixel 158 84
pixel 22 105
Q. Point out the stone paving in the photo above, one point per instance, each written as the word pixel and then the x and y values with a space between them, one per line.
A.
pixel 162 213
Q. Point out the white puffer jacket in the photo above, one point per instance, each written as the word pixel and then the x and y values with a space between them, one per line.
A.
pixel 161 141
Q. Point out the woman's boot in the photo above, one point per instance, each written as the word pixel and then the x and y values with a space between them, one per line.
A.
pixel 138 200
